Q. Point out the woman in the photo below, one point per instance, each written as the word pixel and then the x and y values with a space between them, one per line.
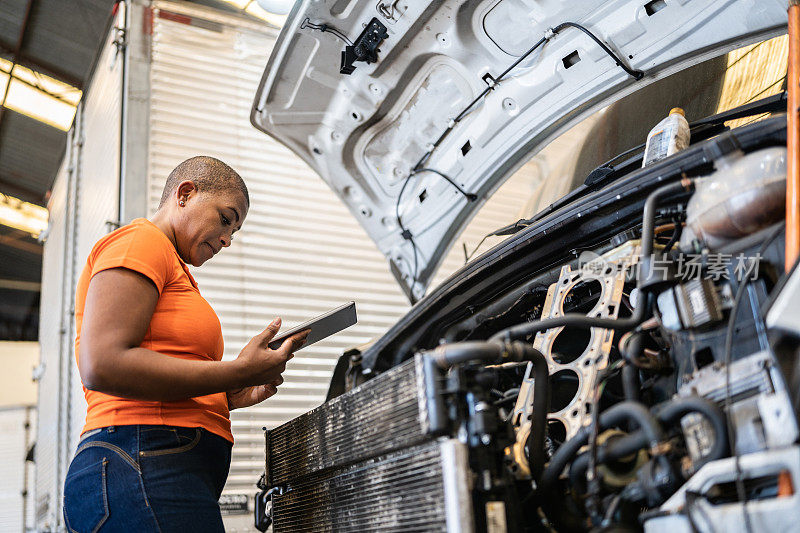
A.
pixel 156 447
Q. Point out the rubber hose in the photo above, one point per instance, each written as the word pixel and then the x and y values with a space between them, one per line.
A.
pixel 540 408
pixel 673 411
pixel 462 352
pixel 612 451
pixel 448 355
pixel 630 382
pixel 670 413
pixel 624 411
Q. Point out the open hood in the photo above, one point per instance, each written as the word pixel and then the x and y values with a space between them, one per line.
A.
pixel 412 98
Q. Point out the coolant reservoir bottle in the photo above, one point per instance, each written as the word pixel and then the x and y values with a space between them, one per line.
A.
pixel 669 136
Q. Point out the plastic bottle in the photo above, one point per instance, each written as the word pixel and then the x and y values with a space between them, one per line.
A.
pixel 745 194
pixel 671 135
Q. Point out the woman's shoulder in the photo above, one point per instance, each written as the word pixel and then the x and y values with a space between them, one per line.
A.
pixel 139 246
pixel 140 236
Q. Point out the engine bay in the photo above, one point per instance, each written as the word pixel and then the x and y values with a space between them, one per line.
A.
pixel 629 380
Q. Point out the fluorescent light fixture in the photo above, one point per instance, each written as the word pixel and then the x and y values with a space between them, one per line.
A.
pixel 24 216
pixel 38 96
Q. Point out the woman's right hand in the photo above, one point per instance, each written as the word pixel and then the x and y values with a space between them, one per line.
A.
pixel 259 364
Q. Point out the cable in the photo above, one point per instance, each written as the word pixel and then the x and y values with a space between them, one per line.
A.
pixel 469 196
pixel 405 232
pixel 636 74
pixel 326 28
pixel 407 235
pixel 494 81
pixel 728 354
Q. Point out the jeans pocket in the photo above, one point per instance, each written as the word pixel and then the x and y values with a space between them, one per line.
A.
pixel 168 440
pixel 86 495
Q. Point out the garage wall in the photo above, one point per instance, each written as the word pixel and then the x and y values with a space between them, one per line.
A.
pixel 83 208
pixel 299 253
pixel 15 439
pixel 50 344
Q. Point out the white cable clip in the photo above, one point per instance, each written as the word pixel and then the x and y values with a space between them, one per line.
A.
pixel 429 147
pixel 549 33
pixel 451 123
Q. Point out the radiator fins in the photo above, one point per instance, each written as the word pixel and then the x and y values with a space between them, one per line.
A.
pixel 379 416
pixel 364 462
pixel 401 491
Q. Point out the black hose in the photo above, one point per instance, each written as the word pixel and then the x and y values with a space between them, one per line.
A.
pixel 448 355
pixel 615 415
pixel 672 412
pixel 649 216
pixel 650 431
pixel 541 406
pixel 630 383
pixel 613 450
pixel 456 353
pixel 631 352
pixel 667 414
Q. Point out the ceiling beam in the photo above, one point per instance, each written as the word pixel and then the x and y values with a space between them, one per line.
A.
pixel 16 189
pixel 40 66
pixel 17 285
pixel 13 242
pixel 23 27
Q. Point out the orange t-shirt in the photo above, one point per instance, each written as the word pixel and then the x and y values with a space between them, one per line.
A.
pixel 183 325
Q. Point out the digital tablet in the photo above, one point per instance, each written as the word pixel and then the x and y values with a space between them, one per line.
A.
pixel 322 326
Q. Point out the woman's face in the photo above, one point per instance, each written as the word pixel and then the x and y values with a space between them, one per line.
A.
pixel 207 222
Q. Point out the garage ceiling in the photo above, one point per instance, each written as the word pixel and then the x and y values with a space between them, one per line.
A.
pixel 58 39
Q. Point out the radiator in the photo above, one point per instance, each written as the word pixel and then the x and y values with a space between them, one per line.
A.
pixel 366 461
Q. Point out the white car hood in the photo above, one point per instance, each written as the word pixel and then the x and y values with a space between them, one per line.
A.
pixel 363 133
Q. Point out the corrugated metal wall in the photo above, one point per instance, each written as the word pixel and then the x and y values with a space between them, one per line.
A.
pixel 15 438
pixel 52 342
pixel 300 251
pixel 83 201
pixel 98 188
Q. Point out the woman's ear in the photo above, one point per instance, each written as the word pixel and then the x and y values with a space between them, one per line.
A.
pixel 185 190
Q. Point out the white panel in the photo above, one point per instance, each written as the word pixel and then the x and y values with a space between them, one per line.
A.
pixel 14 443
pixel 299 253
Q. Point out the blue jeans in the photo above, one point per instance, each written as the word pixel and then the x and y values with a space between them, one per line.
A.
pixel 146 478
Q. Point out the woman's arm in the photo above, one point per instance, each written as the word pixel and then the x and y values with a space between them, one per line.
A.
pixel 119 306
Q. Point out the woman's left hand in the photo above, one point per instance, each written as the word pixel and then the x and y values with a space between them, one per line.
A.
pixel 248 396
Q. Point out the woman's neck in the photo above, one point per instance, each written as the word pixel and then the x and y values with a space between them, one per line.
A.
pixel 161 220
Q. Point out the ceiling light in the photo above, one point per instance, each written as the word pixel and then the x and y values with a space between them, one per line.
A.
pixel 38 96
pixel 23 216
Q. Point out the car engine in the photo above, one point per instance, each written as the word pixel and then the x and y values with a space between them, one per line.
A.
pixel 625 363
